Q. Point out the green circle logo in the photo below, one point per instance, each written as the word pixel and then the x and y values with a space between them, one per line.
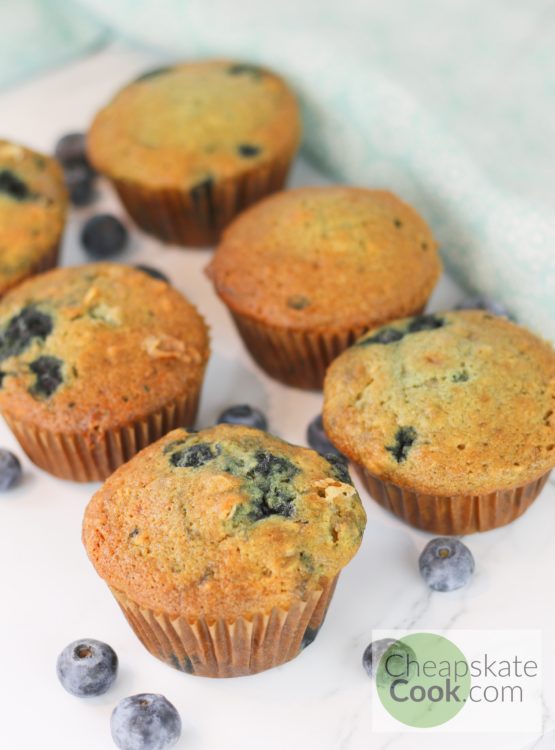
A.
pixel 423 680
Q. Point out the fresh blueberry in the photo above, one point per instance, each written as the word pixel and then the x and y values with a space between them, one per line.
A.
pixel 245 415
pixel 400 659
pixel 318 440
pixel 484 303
pixel 87 667
pixel 145 722
pixel 446 564
pixel 79 181
pixel 154 272
pixel 71 149
pixel 104 236
pixel 10 470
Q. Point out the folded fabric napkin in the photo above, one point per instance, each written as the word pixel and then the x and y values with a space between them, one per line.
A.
pixel 451 105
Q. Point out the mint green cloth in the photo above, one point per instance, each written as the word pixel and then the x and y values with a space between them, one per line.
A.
pixel 39 34
pixel 449 104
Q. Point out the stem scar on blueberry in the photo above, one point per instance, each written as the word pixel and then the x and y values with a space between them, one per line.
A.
pixel 83 652
pixel 443 552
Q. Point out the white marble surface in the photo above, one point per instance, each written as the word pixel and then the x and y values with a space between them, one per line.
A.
pixel 51 595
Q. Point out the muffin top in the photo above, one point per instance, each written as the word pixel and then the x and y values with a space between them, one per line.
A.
pixel 326 256
pixel 186 125
pixel 96 346
pixel 450 403
pixel 225 522
pixel 33 202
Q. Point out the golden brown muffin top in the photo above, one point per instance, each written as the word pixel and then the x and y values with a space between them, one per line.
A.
pixel 326 257
pixel 449 403
pixel 186 125
pixel 95 347
pixel 226 522
pixel 33 203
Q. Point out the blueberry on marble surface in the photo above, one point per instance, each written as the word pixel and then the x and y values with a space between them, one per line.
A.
pixel 10 470
pixel 245 415
pixel 317 439
pixel 484 303
pixel 145 722
pixel 71 149
pixel 104 236
pixel 446 564
pixel 399 657
pixel 153 272
pixel 79 181
pixel 87 667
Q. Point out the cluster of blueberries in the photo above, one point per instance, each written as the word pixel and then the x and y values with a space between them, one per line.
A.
pixel 103 236
pixel 145 721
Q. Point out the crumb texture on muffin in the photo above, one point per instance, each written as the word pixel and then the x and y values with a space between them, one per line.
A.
pixel 448 403
pixel 188 126
pixel 332 257
pixel 89 348
pixel 33 204
pixel 222 523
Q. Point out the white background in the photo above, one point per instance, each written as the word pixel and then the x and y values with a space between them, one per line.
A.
pixel 51 595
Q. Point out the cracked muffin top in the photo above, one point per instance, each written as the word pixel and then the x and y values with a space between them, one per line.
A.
pixel 33 204
pixel 450 403
pixel 181 126
pixel 224 522
pixel 96 346
pixel 338 257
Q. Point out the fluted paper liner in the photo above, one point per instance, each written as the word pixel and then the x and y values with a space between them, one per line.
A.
pixel 222 648
pixel 198 216
pixel 298 358
pixel 92 457
pixel 454 514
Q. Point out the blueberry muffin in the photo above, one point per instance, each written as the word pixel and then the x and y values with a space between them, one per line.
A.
pixel 189 146
pixel 450 417
pixel 33 204
pixel 96 362
pixel 306 272
pixel 223 547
